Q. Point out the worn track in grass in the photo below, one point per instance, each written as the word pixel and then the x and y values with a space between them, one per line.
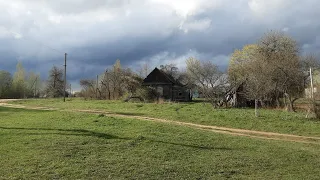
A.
pixel 217 129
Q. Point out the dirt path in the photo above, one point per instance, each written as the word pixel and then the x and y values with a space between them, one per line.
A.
pixel 217 129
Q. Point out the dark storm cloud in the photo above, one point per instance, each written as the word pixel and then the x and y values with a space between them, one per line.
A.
pixel 96 33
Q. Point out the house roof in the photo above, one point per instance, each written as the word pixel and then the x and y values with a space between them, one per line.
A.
pixel 158 76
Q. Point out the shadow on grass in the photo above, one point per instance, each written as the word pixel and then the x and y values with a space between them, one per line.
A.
pixel 19 110
pixel 129 113
pixel 83 132
pixel 73 132
pixel 195 101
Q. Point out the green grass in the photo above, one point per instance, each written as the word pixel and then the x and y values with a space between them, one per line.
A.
pixel 270 120
pixel 64 145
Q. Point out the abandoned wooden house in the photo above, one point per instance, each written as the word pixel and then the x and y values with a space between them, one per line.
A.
pixel 237 98
pixel 167 87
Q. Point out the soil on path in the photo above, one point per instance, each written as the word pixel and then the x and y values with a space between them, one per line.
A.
pixel 216 129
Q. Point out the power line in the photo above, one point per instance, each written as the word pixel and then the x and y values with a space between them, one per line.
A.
pixel 65 59
pixel 40 43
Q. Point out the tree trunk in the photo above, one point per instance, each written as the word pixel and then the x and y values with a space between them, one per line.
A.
pixel 278 102
pixel 114 93
pixel 226 102
pixel 290 107
pixel 263 105
pixel 109 92
pixel 289 103
pixel 235 102
pixel 256 107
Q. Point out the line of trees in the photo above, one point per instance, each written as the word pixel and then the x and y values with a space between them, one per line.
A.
pixel 116 82
pixel 24 84
pixel 272 72
pixel 20 85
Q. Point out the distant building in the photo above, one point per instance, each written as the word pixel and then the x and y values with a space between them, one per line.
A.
pixel 167 87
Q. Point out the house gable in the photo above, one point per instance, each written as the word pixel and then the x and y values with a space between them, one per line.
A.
pixel 157 77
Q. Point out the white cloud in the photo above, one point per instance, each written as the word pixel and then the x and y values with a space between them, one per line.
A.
pixel 4 33
pixel 186 8
pixel 55 19
pixel 286 29
pixel 166 57
pixel 17 36
pixel 263 7
pixel 198 25
pixel 181 7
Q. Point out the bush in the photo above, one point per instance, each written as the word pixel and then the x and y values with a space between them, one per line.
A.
pixel 148 94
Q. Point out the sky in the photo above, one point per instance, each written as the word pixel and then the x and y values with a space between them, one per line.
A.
pixel 95 33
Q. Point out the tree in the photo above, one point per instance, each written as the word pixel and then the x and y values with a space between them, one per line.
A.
pixel 208 78
pixel 19 86
pixel 131 81
pixel 114 83
pixel 245 69
pixel 55 83
pixel 33 84
pixel 117 80
pixel 170 69
pixel 240 62
pixel 257 85
pixel 144 70
pixel 306 62
pixel 271 70
pixel 310 62
pixel 5 84
pixel 281 53
pixel 88 88
pixel 106 84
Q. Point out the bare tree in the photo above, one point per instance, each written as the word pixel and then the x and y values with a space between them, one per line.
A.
pixel 257 84
pixel 19 85
pixel 144 70
pixel 273 66
pixel 55 83
pixel 33 84
pixel 306 62
pixel 207 77
pixel 113 84
pixel 88 88
pixel 170 69
pixel 105 84
pixel 281 53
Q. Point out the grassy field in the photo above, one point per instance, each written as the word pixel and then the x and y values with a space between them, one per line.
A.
pixel 197 112
pixel 66 145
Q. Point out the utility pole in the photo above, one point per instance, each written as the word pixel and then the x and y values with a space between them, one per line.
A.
pixel 311 79
pixel 65 77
